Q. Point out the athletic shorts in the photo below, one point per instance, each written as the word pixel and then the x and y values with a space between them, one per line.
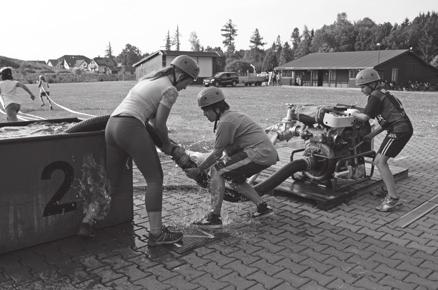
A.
pixel 238 168
pixel 44 94
pixel 394 143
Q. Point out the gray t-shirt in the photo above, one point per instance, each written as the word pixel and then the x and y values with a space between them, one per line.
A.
pixel 237 132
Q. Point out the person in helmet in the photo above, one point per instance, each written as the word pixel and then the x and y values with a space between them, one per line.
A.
pixel 44 91
pixel 247 149
pixel 8 94
pixel 150 100
pixel 391 117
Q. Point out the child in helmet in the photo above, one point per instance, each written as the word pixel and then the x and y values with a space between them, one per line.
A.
pixel 150 100
pixel 391 116
pixel 44 91
pixel 248 151
pixel 8 93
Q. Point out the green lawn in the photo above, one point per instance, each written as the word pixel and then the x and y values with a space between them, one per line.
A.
pixel 187 125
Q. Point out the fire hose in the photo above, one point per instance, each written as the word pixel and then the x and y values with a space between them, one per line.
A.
pixel 281 175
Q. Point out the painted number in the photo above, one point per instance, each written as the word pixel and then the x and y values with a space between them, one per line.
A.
pixel 54 206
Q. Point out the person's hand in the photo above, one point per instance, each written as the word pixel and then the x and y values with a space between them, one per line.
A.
pixel 193 173
pixel 168 148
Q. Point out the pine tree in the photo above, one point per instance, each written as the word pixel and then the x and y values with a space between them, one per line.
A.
pixel 109 51
pixel 256 40
pixel 229 32
pixel 168 44
pixel 176 38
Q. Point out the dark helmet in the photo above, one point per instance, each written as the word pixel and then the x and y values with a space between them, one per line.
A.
pixel 6 73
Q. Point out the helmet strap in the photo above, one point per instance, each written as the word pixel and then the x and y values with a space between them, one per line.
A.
pixel 174 76
pixel 218 116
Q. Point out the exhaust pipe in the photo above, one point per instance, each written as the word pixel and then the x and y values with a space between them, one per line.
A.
pixel 281 175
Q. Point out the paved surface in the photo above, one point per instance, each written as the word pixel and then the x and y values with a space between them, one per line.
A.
pixel 349 247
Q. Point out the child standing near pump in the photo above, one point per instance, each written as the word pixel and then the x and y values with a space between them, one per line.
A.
pixel 8 94
pixel 44 91
pixel 391 116
pixel 248 152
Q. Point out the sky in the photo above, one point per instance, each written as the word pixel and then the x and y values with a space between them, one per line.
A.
pixel 49 29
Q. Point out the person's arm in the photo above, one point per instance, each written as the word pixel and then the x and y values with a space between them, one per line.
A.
pixel 375 131
pixel 211 159
pixel 214 156
pixel 24 87
pixel 360 116
pixel 161 128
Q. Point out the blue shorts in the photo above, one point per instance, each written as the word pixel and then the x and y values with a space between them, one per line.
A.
pixel 238 168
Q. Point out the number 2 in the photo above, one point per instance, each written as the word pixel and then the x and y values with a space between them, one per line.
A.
pixel 54 206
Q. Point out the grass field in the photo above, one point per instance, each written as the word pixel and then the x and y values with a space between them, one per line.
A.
pixel 187 125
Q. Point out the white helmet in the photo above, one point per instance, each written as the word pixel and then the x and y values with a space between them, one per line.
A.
pixel 367 76
pixel 210 96
pixel 187 65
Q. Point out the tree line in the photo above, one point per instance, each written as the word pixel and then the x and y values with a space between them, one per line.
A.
pixel 420 35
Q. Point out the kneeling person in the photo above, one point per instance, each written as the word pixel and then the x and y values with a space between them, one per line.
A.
pixel 247 148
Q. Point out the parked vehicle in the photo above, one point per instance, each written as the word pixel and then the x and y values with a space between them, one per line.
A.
pixel 222 79
pixel 252 79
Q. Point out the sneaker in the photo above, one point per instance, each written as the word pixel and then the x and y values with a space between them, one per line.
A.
pixel 86 230
pixel 51 108
pixel 210 221
pixel 166 237
pixel 389 204
pixel 263 210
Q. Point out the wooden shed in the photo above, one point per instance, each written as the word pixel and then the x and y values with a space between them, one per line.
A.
pixel 400 68
pixel 163 58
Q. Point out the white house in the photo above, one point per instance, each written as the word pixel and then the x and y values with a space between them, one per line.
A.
pixel 163 58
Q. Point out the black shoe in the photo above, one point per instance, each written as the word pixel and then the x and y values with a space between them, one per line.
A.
pixel 263 210
pixel 210 221
pixel 86 230
pixel 166 237
pixel 51 108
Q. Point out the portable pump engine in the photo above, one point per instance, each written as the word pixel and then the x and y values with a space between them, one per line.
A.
pixel 333 146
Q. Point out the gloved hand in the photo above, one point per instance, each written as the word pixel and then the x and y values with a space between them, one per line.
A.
pixel 181 158
pixel 197 175
pixel 192 173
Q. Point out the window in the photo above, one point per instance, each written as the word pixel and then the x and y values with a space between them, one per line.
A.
pixel 352 73
pixel 332 76
pixel 394 75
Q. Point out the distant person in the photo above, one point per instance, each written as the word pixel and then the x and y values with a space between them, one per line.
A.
pixel 150 100
pixel 270 78
pixel 44 91
pixel 391 116
pixel 278 79
pixel 8 93
pixel 248 151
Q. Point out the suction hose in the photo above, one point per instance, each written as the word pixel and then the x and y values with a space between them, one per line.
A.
pixel 89 125
pixel 281 175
